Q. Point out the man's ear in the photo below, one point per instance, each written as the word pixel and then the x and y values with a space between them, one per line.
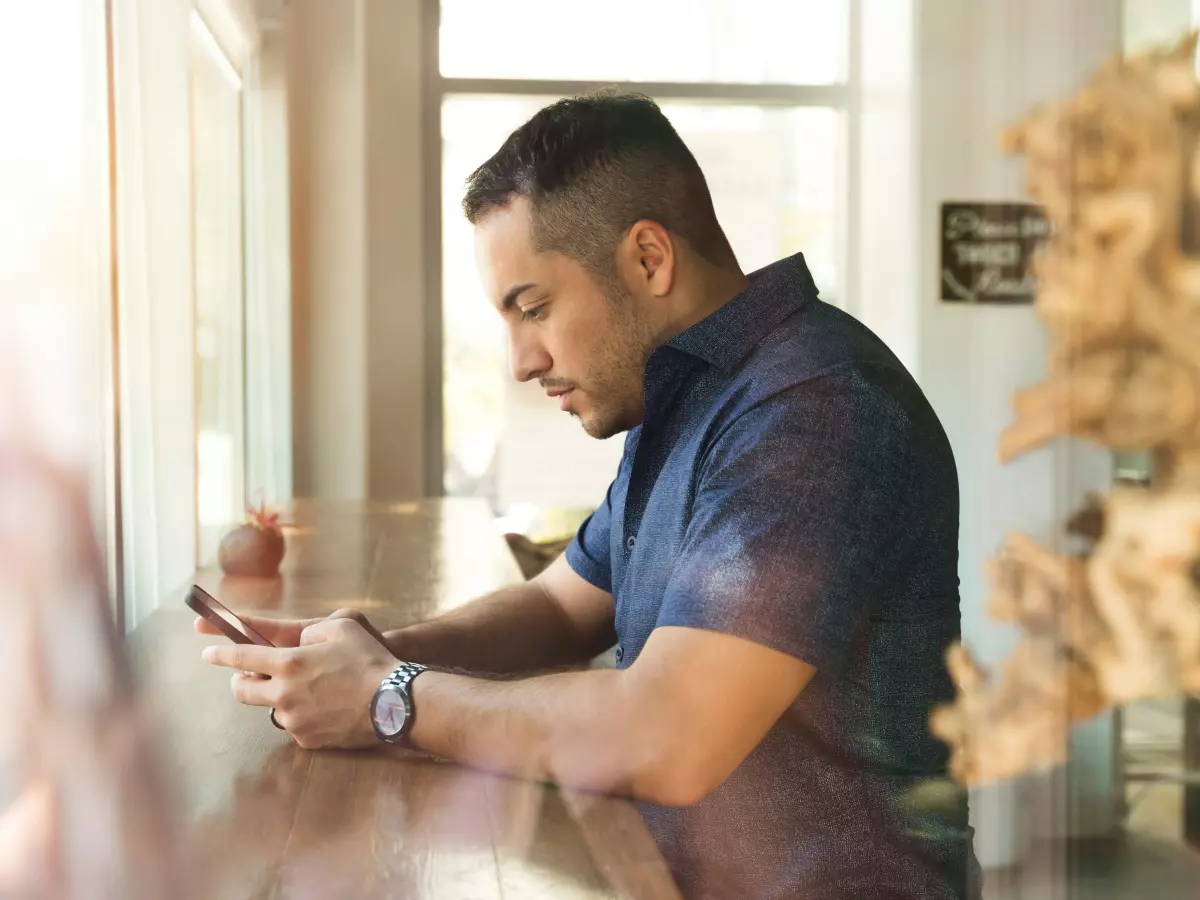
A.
pixel 647 258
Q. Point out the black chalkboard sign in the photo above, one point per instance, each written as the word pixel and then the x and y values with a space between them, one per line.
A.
pixel 987 249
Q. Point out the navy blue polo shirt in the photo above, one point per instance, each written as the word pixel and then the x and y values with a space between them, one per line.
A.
pixel 791 485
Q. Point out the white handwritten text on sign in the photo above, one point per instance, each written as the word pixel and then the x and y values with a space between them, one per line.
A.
pixel 987 249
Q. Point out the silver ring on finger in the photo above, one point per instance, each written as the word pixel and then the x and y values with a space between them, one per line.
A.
pixel 275 721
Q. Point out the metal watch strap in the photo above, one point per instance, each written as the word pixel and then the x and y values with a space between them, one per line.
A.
pixel 399 679
pixel 401 676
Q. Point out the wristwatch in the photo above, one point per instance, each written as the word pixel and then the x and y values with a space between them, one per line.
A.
pixel 392 711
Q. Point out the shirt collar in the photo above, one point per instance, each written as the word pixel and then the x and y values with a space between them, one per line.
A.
pixel 727 336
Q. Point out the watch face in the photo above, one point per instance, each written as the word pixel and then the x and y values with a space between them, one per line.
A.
pixel 389 712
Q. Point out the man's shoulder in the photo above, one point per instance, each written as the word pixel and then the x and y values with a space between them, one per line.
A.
pixel 818 337
pixel 815 354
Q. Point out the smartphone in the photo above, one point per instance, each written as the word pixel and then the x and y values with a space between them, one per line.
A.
pixel 206 605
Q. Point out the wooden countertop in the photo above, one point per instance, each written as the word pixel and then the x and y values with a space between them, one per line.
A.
pixel 266 819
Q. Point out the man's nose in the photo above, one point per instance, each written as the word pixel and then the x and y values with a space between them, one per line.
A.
pixel 527 357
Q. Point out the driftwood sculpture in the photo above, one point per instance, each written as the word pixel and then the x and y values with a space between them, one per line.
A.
pixel 83 815
pixel 1117 169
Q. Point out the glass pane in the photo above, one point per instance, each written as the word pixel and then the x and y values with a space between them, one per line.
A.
pixel 775 179
pixel 220 382
pixel 718 41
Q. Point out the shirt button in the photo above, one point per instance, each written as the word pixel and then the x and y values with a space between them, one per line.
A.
pixel 629 544
pixel 620 652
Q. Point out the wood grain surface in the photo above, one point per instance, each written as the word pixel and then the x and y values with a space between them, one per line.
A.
pixel 265 819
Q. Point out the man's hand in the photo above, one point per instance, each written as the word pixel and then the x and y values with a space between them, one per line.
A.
pixel 321 690
pixel 286 632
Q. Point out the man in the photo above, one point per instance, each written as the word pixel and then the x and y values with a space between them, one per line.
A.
pixel 776 560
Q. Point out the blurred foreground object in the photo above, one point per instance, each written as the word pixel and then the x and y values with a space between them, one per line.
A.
pixel 255 547
pixel 82 812
pixel 1117 168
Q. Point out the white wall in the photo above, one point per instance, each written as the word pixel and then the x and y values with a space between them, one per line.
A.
pixel 981 64
pixel 357 249
pixel 932 110
pixel 889 252
pixel 325 118
pixel 396 249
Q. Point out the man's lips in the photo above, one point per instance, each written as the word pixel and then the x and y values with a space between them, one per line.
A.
pixel 563 395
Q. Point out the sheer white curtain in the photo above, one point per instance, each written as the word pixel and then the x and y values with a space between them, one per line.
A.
pixel 154 240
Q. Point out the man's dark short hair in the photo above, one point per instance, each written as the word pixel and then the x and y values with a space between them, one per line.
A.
pixel 592 166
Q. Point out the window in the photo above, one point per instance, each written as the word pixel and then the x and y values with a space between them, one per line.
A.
pixel 199 190
pixel 758 92
pixel 140 174
pixel 216 144
pixel 750 42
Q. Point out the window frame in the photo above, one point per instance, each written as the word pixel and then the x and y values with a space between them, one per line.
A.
pixel 842 96
pixel 113 534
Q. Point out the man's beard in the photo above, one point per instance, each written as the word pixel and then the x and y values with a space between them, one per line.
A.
pixel 618 386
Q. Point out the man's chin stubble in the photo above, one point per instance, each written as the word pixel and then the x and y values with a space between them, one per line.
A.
pixel 587 429
pixel 601 431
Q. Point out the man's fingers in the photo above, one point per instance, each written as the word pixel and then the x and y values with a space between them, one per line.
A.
pixel 292 632
pixel 280 632
pixel 361 618
pixel 328 629
pixel 250 658
pixel 254 691
pixel 204 626
pixel 347 612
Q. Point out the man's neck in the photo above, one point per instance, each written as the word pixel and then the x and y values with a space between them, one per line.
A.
pixel 703 292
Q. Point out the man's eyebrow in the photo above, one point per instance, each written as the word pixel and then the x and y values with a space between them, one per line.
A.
pixel 513 293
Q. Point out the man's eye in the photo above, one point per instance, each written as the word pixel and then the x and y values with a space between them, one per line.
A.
pixel 536 314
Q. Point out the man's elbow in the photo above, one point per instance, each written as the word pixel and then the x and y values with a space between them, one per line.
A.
pixel 678 791
pixel 678 778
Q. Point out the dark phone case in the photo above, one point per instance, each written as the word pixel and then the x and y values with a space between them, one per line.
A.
pixel 206 605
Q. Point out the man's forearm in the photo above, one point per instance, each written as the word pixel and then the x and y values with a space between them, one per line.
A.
pixel 517 629
pixel 588 730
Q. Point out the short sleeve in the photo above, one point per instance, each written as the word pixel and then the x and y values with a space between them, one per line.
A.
pixel 802 509
pixel 589 553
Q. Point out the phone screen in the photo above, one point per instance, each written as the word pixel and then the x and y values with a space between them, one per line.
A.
pixel 206 605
